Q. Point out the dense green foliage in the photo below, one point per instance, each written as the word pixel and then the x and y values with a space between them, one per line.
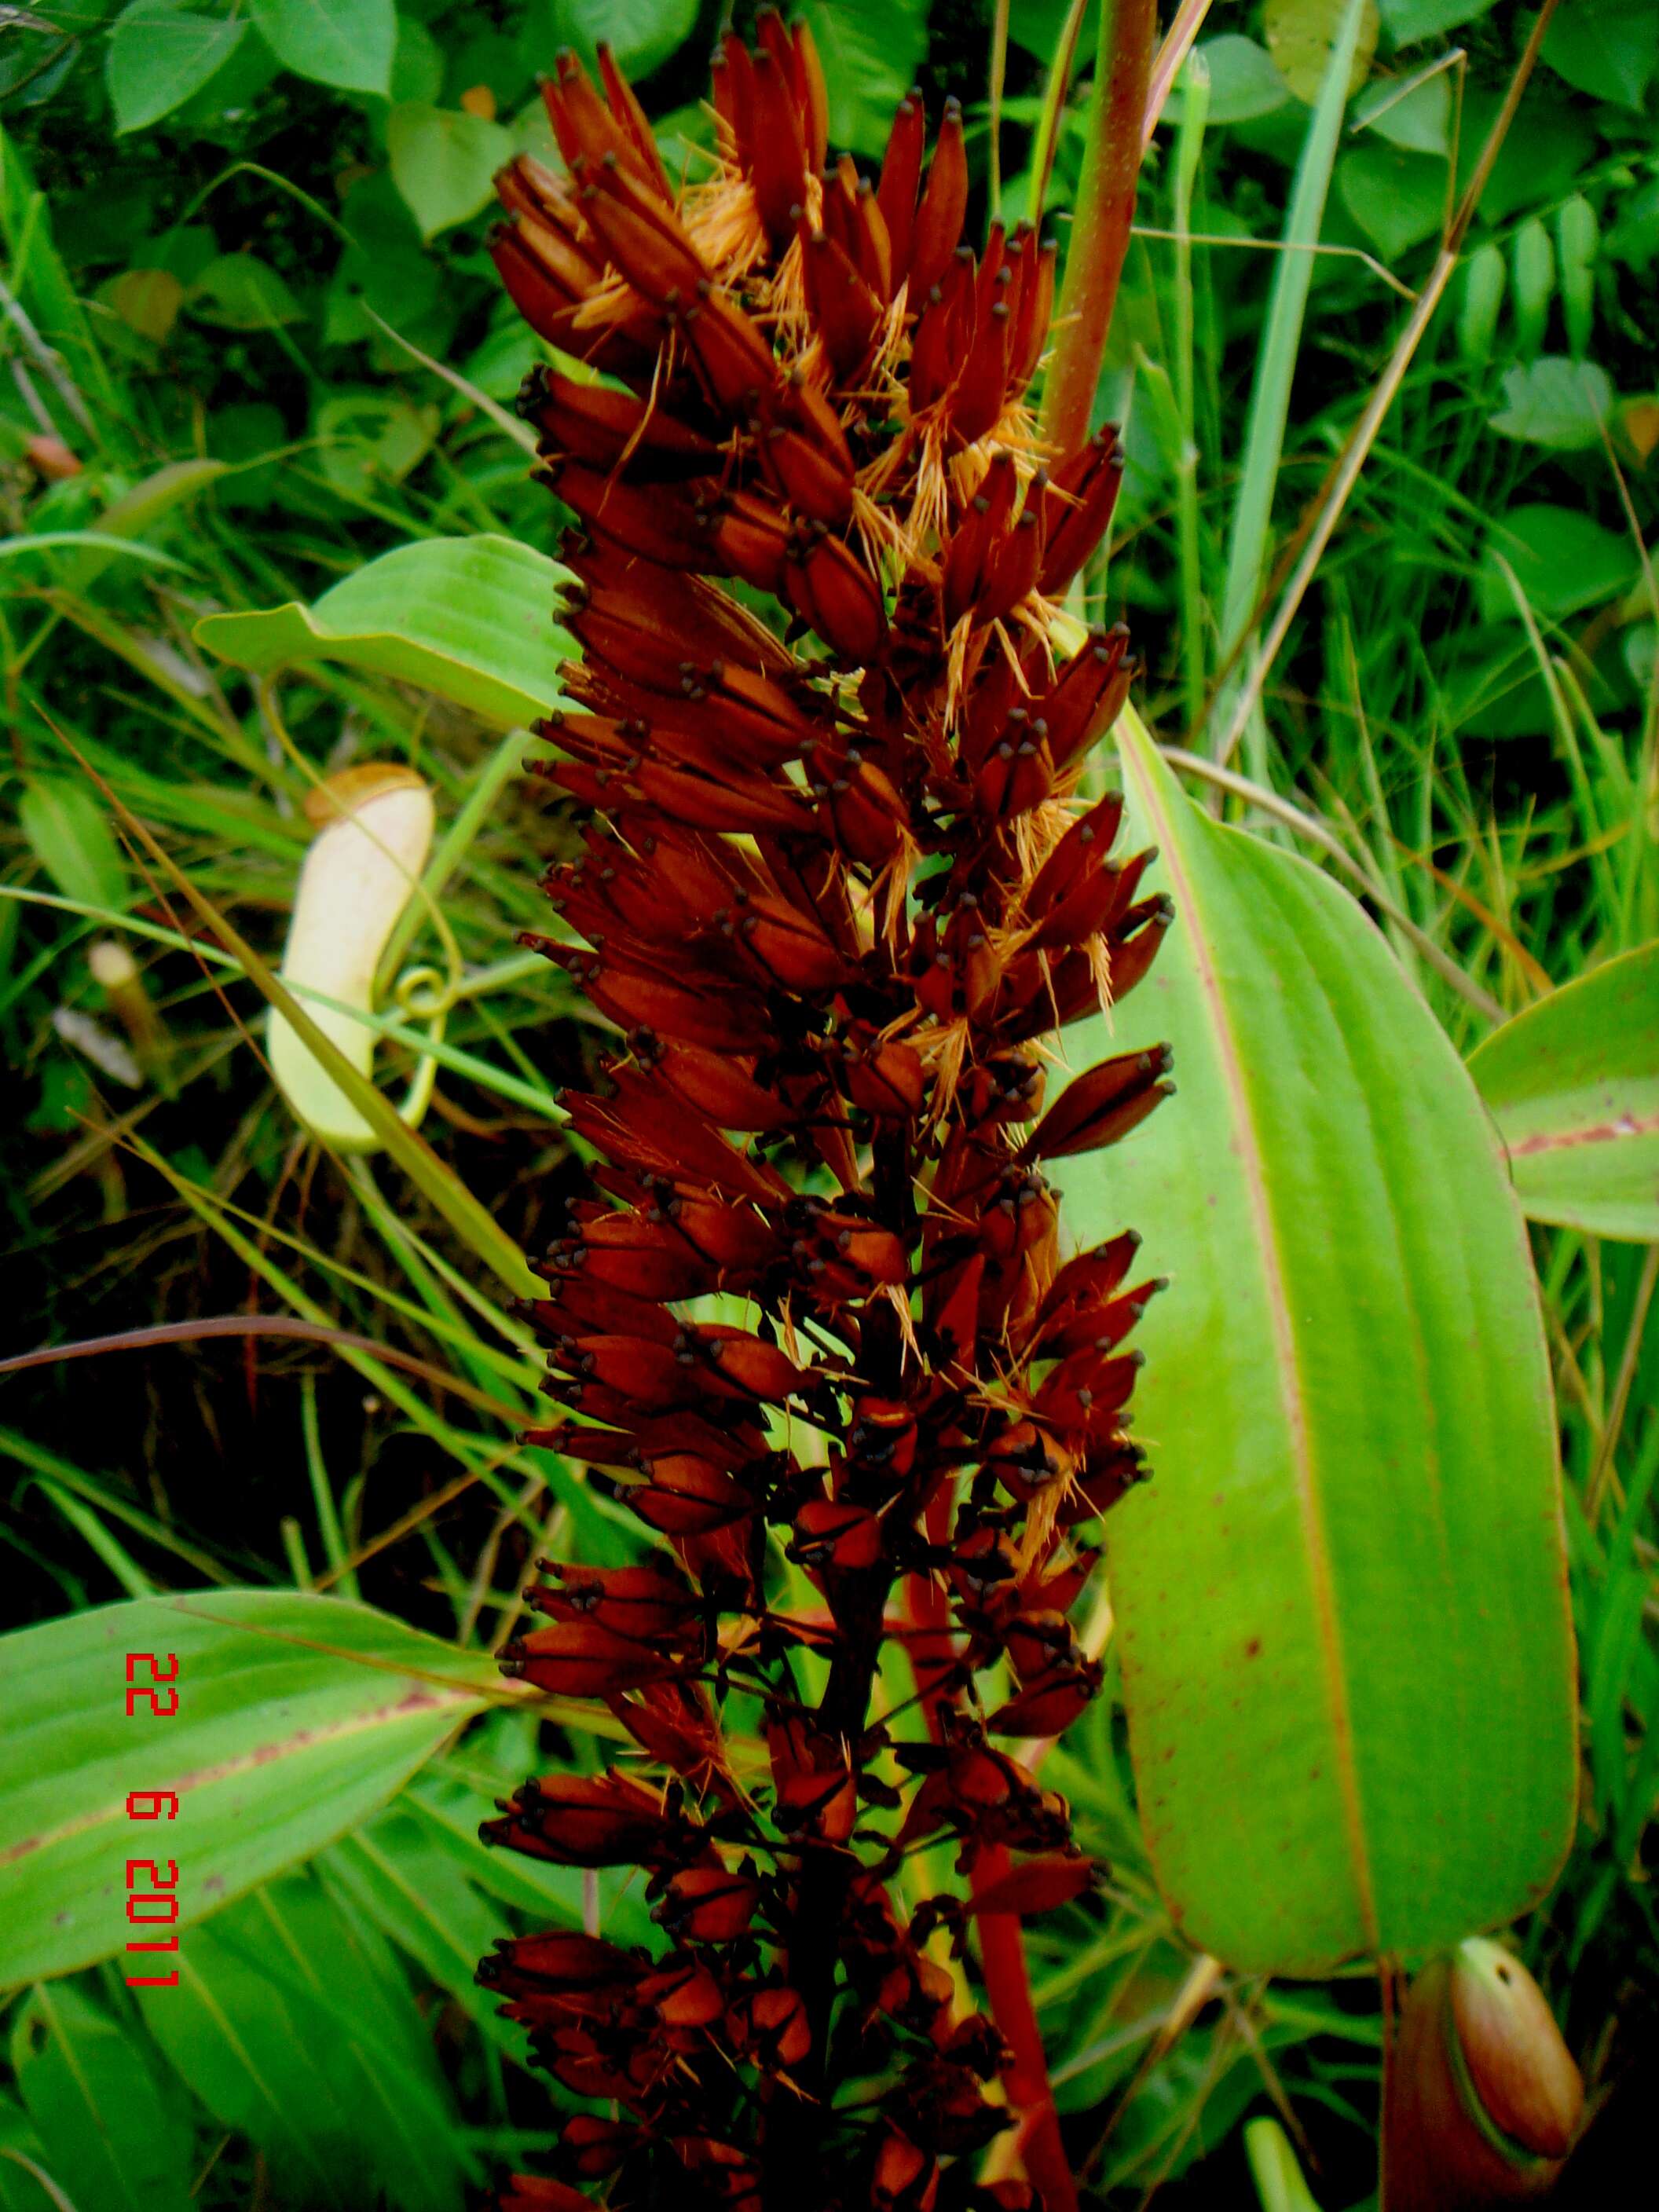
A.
pixel 254 344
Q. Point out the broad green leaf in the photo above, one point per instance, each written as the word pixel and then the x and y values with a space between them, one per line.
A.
pixel 1244 80
pixel 297 1716
pixel 1408 20
pixel 148 300
pixel 1418 119
pixel 219 113
pixel 1342 1598
pixel 68 831
pixel 444 162
pixel 643 34
pixel 1573 1084
pixel 471 618
pixel 417 66
pixel 370 438
pixel 349 43
pixel 240 292
pixel 1564 405
pixel 292 2024
pixel 109 2141
pixel 1634 237
pixel 1397 198
pixel 1563 561
pixel 1300 34
pixel 1542 162
pixel 871 50
pixel 1607 48
pixel 160 52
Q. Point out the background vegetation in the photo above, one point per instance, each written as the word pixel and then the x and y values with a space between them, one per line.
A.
pixel 252 340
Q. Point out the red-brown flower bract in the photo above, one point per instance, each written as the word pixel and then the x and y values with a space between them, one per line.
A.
pixel 835 891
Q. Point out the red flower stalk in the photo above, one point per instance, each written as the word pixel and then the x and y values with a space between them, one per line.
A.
pixel 835 891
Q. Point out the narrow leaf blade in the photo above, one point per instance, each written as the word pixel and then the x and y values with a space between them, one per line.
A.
pixel 293 2024
pixel 110 2140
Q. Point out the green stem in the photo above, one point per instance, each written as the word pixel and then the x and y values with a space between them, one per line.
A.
pixel 1054 102
pixel 1249 547
pixel 1100 227
pixel 1189 149
pixel 999 79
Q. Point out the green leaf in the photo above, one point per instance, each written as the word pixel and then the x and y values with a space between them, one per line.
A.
pixel 1300 34
pixel 414 1890
pixel 643 34
pixel 1408 20
pixel 1540 164
pixel 417 67
pixel 136 511
pixel 1397 198
pixel 444 162
pixel 1418 119
pixel 370 438
pixel 1608 48
pixel 1634 237
pixel 1249 542
pixel 1275 2170
pixel 1244 80
pixel 292 2025
pixel 471 618
pixel 219 111
pixel 111 2141
pixel 349 43
pixel 148 301
pixel 871 50
pixel 450 1804
pixel 26 550
pixel 240 292
pixel 160 52
pixel 1563 561
pixel 68 832
pixel 298 1716
pixel 1564 406
pixel 20 2153
pixel 1343 1622
pixel 1573 1082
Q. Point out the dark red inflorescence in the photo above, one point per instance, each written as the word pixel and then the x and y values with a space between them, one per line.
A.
pixel 836 895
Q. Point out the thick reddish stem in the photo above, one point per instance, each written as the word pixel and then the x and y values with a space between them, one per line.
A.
pixel 1100 223
pixel 1008 1988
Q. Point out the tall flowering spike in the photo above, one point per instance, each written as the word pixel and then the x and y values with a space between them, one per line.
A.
pixel 835 889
